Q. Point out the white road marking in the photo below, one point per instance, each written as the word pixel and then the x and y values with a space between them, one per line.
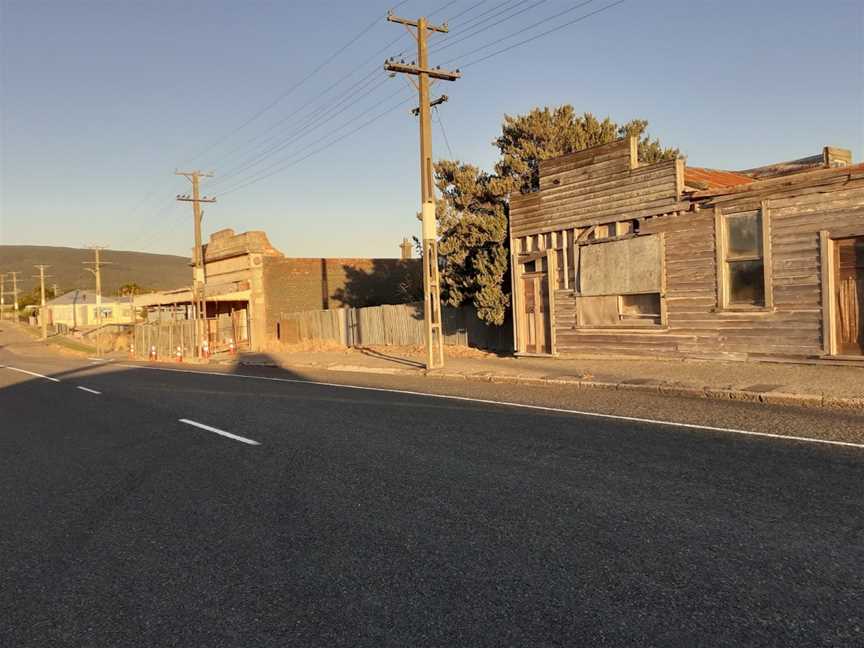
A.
pixel 542 408
pixel 87 389
pixel 32 373
pixel 218 431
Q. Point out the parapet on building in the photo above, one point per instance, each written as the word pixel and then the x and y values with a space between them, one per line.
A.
pixel 617 257
pixel 249 285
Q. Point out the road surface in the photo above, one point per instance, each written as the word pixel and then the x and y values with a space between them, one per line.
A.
pixel 156 507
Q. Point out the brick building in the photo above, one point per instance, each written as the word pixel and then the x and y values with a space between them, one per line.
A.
pixel 249 284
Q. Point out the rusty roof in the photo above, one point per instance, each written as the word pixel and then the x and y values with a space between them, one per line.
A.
pixel 701 178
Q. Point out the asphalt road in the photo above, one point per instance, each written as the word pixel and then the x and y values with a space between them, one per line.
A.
pixel 338 516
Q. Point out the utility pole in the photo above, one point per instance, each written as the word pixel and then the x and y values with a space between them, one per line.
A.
pixel 43 315
pixel 2 296
pixel 198 280
pixel 97 272
pixel 15 294
pixel 431 279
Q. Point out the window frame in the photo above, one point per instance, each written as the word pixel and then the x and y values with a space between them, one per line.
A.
pixel 722 262
pixel 626 324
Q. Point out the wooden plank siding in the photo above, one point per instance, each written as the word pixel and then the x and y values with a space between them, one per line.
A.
pixel 603 193
pixel 600 185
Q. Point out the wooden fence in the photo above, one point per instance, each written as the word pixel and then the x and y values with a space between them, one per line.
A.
pixel 391 325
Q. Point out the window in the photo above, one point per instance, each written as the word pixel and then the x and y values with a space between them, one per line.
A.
pixel 621 283
pixel 743 278
pixel 640 309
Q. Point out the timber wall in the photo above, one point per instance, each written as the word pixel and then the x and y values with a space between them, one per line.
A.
pixel 603 184
pixel 695 325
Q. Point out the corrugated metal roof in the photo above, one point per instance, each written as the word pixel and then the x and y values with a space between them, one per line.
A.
pixel 81 298
pixel 702 178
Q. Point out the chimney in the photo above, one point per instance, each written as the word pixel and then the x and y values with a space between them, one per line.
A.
pixel 407 249
pixel 834 157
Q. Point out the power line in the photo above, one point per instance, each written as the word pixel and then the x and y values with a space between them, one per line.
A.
pixel 501 7
pixel 346 93
pixel 294 87
pixel 280 164
pixel 468 10
pixel 316 151
pixel 440 122
pixel 541 34
pixel 447 44
pixel 303 130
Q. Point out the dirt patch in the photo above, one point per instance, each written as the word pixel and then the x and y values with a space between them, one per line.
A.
pixel 307 346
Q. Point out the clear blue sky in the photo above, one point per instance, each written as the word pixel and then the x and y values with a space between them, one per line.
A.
pixel 103 99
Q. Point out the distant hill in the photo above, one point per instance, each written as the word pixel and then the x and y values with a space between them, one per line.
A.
pixel 151 271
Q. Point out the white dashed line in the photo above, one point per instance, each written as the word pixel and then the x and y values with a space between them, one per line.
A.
pixel 32 373
pixel 218 431
pixel 88 390
pixel 557 410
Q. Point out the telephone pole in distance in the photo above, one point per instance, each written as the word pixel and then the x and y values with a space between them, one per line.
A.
pixel 43 314
pixel 97 272
pixel 198 279
pixel 15 293
pixel 431 279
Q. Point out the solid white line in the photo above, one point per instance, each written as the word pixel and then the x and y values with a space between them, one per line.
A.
pixel 87 389
pixel 542 408
pixel 32 373
pixel 218 431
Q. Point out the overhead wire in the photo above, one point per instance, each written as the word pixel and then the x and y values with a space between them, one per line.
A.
pixel 537 36
pixel 318 150
pixel 450 43
pixel 297 85
pixel 483 18
pixel 444 133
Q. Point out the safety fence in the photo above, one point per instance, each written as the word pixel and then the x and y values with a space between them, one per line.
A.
pixel 391 325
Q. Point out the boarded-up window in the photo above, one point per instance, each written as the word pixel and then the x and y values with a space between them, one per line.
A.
pixel 630 266
pixel 598 311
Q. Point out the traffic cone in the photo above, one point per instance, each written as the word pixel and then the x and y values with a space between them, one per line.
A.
pixel 205 350
pixel 153 353
pixel 131 351
pixel 179 354
pixel 231 348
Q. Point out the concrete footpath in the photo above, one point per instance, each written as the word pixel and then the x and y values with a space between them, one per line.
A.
pixel 806 385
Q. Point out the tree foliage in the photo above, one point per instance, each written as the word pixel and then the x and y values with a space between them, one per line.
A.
pixel 473 215
pixel 546 133
pixel 472 222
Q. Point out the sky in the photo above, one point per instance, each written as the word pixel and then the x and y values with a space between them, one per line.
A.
pixel 288 104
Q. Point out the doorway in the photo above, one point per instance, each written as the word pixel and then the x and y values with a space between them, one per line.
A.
pixel 535 292
pixel 849 295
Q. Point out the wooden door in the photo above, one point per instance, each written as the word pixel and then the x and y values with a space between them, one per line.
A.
pixel 535 292
pixel 849 293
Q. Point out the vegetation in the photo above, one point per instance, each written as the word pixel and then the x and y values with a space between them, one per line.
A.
pixel 473 215
pixel 156 271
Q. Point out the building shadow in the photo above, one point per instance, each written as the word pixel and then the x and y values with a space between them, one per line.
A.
pixel 388 281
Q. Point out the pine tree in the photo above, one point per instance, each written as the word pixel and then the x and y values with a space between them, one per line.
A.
pixel 473 215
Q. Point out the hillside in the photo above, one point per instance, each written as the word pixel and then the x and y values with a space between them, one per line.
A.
pixel 153 271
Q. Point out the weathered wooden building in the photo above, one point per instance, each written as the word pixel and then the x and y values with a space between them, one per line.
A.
pixel 615 257
pixel 249 285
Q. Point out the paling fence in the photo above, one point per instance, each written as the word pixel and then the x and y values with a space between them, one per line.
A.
pixel 391 325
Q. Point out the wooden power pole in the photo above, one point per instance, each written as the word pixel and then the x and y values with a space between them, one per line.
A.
pixel 43 315
pixel 431 279
pixel 198 279
pixel 2 296
pixel 15 294
pixel 97 264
